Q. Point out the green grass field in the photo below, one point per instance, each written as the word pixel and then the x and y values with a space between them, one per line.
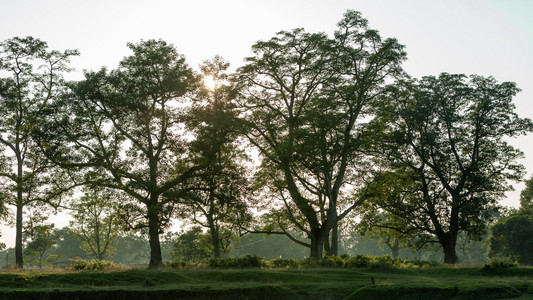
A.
pixel 416 283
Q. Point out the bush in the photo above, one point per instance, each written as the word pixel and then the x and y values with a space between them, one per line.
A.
pixel 248 261
pixel 496 265
pixel 423 263
pixel 279 263
pixel 344 261
pixel 94 265
pixel 358 261
pixel 332 262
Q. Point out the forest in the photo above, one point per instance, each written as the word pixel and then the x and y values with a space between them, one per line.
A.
pixel 318 146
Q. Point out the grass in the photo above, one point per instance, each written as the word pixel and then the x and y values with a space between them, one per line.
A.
pixel 312 283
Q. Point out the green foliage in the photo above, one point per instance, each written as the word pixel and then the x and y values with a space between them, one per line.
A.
pixel 526 198
pixel 443 152
pixel 511 237
pixel 308 97
pixel 248 261
pixel 218 200
pixel 280 263
pixel 192 245
pixel 127 134
pixel 94 265
pixel 42 240
pixel 375 263
pixel 95 223
pixel 31 78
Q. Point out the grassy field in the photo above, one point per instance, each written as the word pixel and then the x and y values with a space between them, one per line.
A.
pixel 416 283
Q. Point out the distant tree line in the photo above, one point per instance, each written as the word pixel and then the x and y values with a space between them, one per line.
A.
pixel 310 132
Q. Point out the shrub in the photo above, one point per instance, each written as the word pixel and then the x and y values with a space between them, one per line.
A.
pixel 332 262
pixel 502 263
pixel 279 263
pixel 496 265
pixel 358 261
pixel 94 265
pixel 248 261
pixel 423 263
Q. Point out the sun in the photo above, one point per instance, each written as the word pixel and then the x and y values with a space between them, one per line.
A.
pixel 209 82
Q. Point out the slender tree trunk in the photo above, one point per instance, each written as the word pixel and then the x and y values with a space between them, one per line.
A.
pixel 156 259
pixel 215 242
pixel 327 246
pixel 18 237
pixel 19 260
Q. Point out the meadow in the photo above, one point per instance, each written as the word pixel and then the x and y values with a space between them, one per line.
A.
pixel 375 282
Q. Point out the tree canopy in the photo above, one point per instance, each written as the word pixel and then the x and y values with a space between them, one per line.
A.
pixel 307 98
pixel 124 130
pixel 446 160
pixel 33 79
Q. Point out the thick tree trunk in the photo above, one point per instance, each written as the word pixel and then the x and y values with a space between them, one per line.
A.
pixel 448 246
pixel 156 259
pixel 334 239
pixel 317 244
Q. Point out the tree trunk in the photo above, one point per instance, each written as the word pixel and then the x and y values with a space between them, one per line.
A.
pixel 327 247
pixel 18 238
pixel 395 249
pixel 215 242
pixel 156 259
pixel 335 239
pixel 19 260
pixel 316 245
pixel 318 239
pixel 448 246
pixel 41 261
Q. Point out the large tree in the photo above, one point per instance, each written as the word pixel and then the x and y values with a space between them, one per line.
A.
pixel 124 130
pixel 33 79
pixel 307 98
pixel 217 200
pixel 446 157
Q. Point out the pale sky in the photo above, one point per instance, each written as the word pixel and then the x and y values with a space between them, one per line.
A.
pixel 485 37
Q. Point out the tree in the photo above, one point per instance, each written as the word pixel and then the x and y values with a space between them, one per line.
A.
pixel 123 130
pixel 307 100
pixel 526 197
pixel 68 246
pixel 511 237
pixel 217 200
pixel 380 227
pixel 95 223
pixel 191 245
pixel 42 239
pixel 33 81
pixel 446 161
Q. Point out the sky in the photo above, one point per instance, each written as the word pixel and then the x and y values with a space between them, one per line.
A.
pixel 484 37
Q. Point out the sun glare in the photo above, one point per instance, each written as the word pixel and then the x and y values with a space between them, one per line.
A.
pixel 209 82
